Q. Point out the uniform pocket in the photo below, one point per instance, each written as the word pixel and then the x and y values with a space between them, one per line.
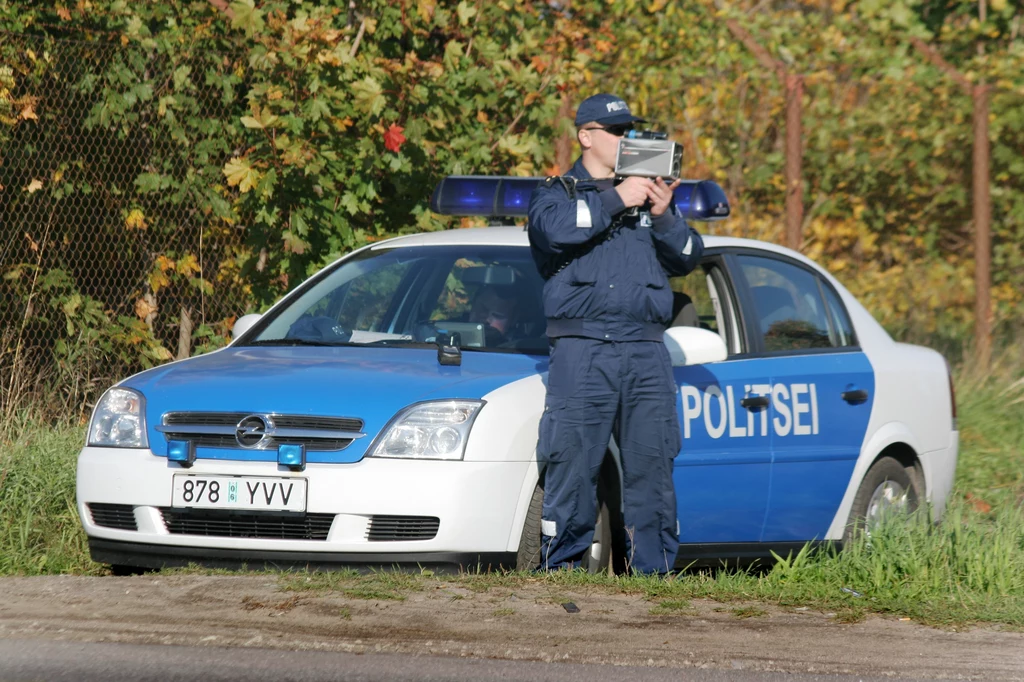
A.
pixel 551 438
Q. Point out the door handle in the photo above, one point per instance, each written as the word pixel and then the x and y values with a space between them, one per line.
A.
pixel 754 402
pixel 857 395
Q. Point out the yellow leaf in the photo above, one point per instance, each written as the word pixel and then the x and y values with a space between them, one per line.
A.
pixel 259 119
pixel 515 145
pixel 188 265
pixel 482 117
pixel 28 113
pixel 34 186
pixel 144 308
pixel 426 9
pixel 158 280
pixel 135 220
pixel 239 173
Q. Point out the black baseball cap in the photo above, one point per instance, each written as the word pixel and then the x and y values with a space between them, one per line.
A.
pixel 605 109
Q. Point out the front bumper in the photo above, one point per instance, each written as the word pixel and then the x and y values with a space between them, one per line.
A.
pixel 157 556
pixel 475 503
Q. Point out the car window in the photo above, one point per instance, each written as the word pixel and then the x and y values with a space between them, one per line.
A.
pixel 366 299
pixel 842 330
pixel 701 300
pixel 789 310
pixel 485 297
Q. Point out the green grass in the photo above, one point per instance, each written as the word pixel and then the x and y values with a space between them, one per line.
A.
pixel 968 569
pixel 672 607
pixel 991 418
pixel 40 532
pixel 377 585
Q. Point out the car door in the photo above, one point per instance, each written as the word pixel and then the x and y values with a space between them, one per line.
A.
pixel 822 386
pixel 722 473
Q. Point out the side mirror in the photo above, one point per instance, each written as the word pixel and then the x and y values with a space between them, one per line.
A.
pixel 694 346
pixel 244 324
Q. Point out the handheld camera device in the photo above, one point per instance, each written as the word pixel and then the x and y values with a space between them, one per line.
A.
pixel 649 154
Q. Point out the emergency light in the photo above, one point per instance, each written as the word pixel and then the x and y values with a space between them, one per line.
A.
pixel 503 196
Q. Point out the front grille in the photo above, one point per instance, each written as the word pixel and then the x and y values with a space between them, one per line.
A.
pixel 217 430
pixel 395 528
pixel 120 516
pixel 232 524
pixel 291 421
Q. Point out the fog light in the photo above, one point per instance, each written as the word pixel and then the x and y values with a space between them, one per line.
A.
pixel 181 451
pixel 292 456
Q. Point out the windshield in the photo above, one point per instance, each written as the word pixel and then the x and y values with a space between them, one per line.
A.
pixel 484 298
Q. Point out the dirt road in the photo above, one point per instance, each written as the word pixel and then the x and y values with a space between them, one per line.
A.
pixel 522 623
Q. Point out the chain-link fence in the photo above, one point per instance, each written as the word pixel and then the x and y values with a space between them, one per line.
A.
pixel 112 254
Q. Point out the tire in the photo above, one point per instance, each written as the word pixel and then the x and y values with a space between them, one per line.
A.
pixel 595 560
pixel 125 570
pixel 887 487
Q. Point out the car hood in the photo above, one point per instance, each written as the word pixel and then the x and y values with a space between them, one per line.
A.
pixel 371 384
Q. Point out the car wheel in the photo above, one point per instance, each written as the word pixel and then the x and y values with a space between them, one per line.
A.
pixel 124 570
pixel 595 560
pixel 887 489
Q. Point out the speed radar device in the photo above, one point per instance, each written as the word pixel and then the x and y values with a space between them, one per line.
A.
pixel 649 154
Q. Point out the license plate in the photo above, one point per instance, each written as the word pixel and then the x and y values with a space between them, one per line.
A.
pixel 239 492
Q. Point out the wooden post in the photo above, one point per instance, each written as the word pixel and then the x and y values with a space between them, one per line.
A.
pixel 982 211
pixel 794 84
pixel 564 143
pixel 981 202
pixel 794 161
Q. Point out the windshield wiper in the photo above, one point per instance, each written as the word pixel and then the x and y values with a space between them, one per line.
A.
pixel 397 343
pixel 295 342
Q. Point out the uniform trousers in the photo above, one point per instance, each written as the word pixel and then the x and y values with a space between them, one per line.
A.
pixel 596 390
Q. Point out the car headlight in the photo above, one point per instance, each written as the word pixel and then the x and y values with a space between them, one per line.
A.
pixel 119 420
pixel 432 430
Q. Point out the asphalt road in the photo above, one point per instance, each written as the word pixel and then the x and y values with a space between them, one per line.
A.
pixel 36 660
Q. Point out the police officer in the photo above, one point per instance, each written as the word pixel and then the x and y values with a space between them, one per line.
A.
pixel 605 250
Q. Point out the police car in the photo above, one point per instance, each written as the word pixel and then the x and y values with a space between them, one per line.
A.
pixel 386 412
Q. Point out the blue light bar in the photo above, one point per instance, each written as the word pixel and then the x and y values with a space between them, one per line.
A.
pixel 497 196
pixel 181 451
pixel 701 200
pixel 292 456
pixel 483 195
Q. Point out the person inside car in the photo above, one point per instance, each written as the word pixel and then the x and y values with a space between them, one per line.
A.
pixel 498 308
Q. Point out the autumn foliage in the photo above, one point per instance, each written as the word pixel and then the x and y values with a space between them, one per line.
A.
pixel 242 145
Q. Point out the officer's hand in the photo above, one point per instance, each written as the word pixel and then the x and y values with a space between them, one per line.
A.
pixel 634 191
pixel 660 195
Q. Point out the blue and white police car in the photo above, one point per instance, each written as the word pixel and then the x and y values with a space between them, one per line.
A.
pixel 386 412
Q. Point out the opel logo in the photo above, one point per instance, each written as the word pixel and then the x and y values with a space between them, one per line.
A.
pixel 251 432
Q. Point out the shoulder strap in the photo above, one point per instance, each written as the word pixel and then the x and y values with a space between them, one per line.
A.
pixel 567 181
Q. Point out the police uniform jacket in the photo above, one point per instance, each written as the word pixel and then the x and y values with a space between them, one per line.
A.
pixel 606 268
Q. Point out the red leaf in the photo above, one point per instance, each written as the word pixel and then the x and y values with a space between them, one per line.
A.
pixel 394 138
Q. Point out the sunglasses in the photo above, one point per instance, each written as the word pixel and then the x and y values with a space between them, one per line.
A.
pixel 616 130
